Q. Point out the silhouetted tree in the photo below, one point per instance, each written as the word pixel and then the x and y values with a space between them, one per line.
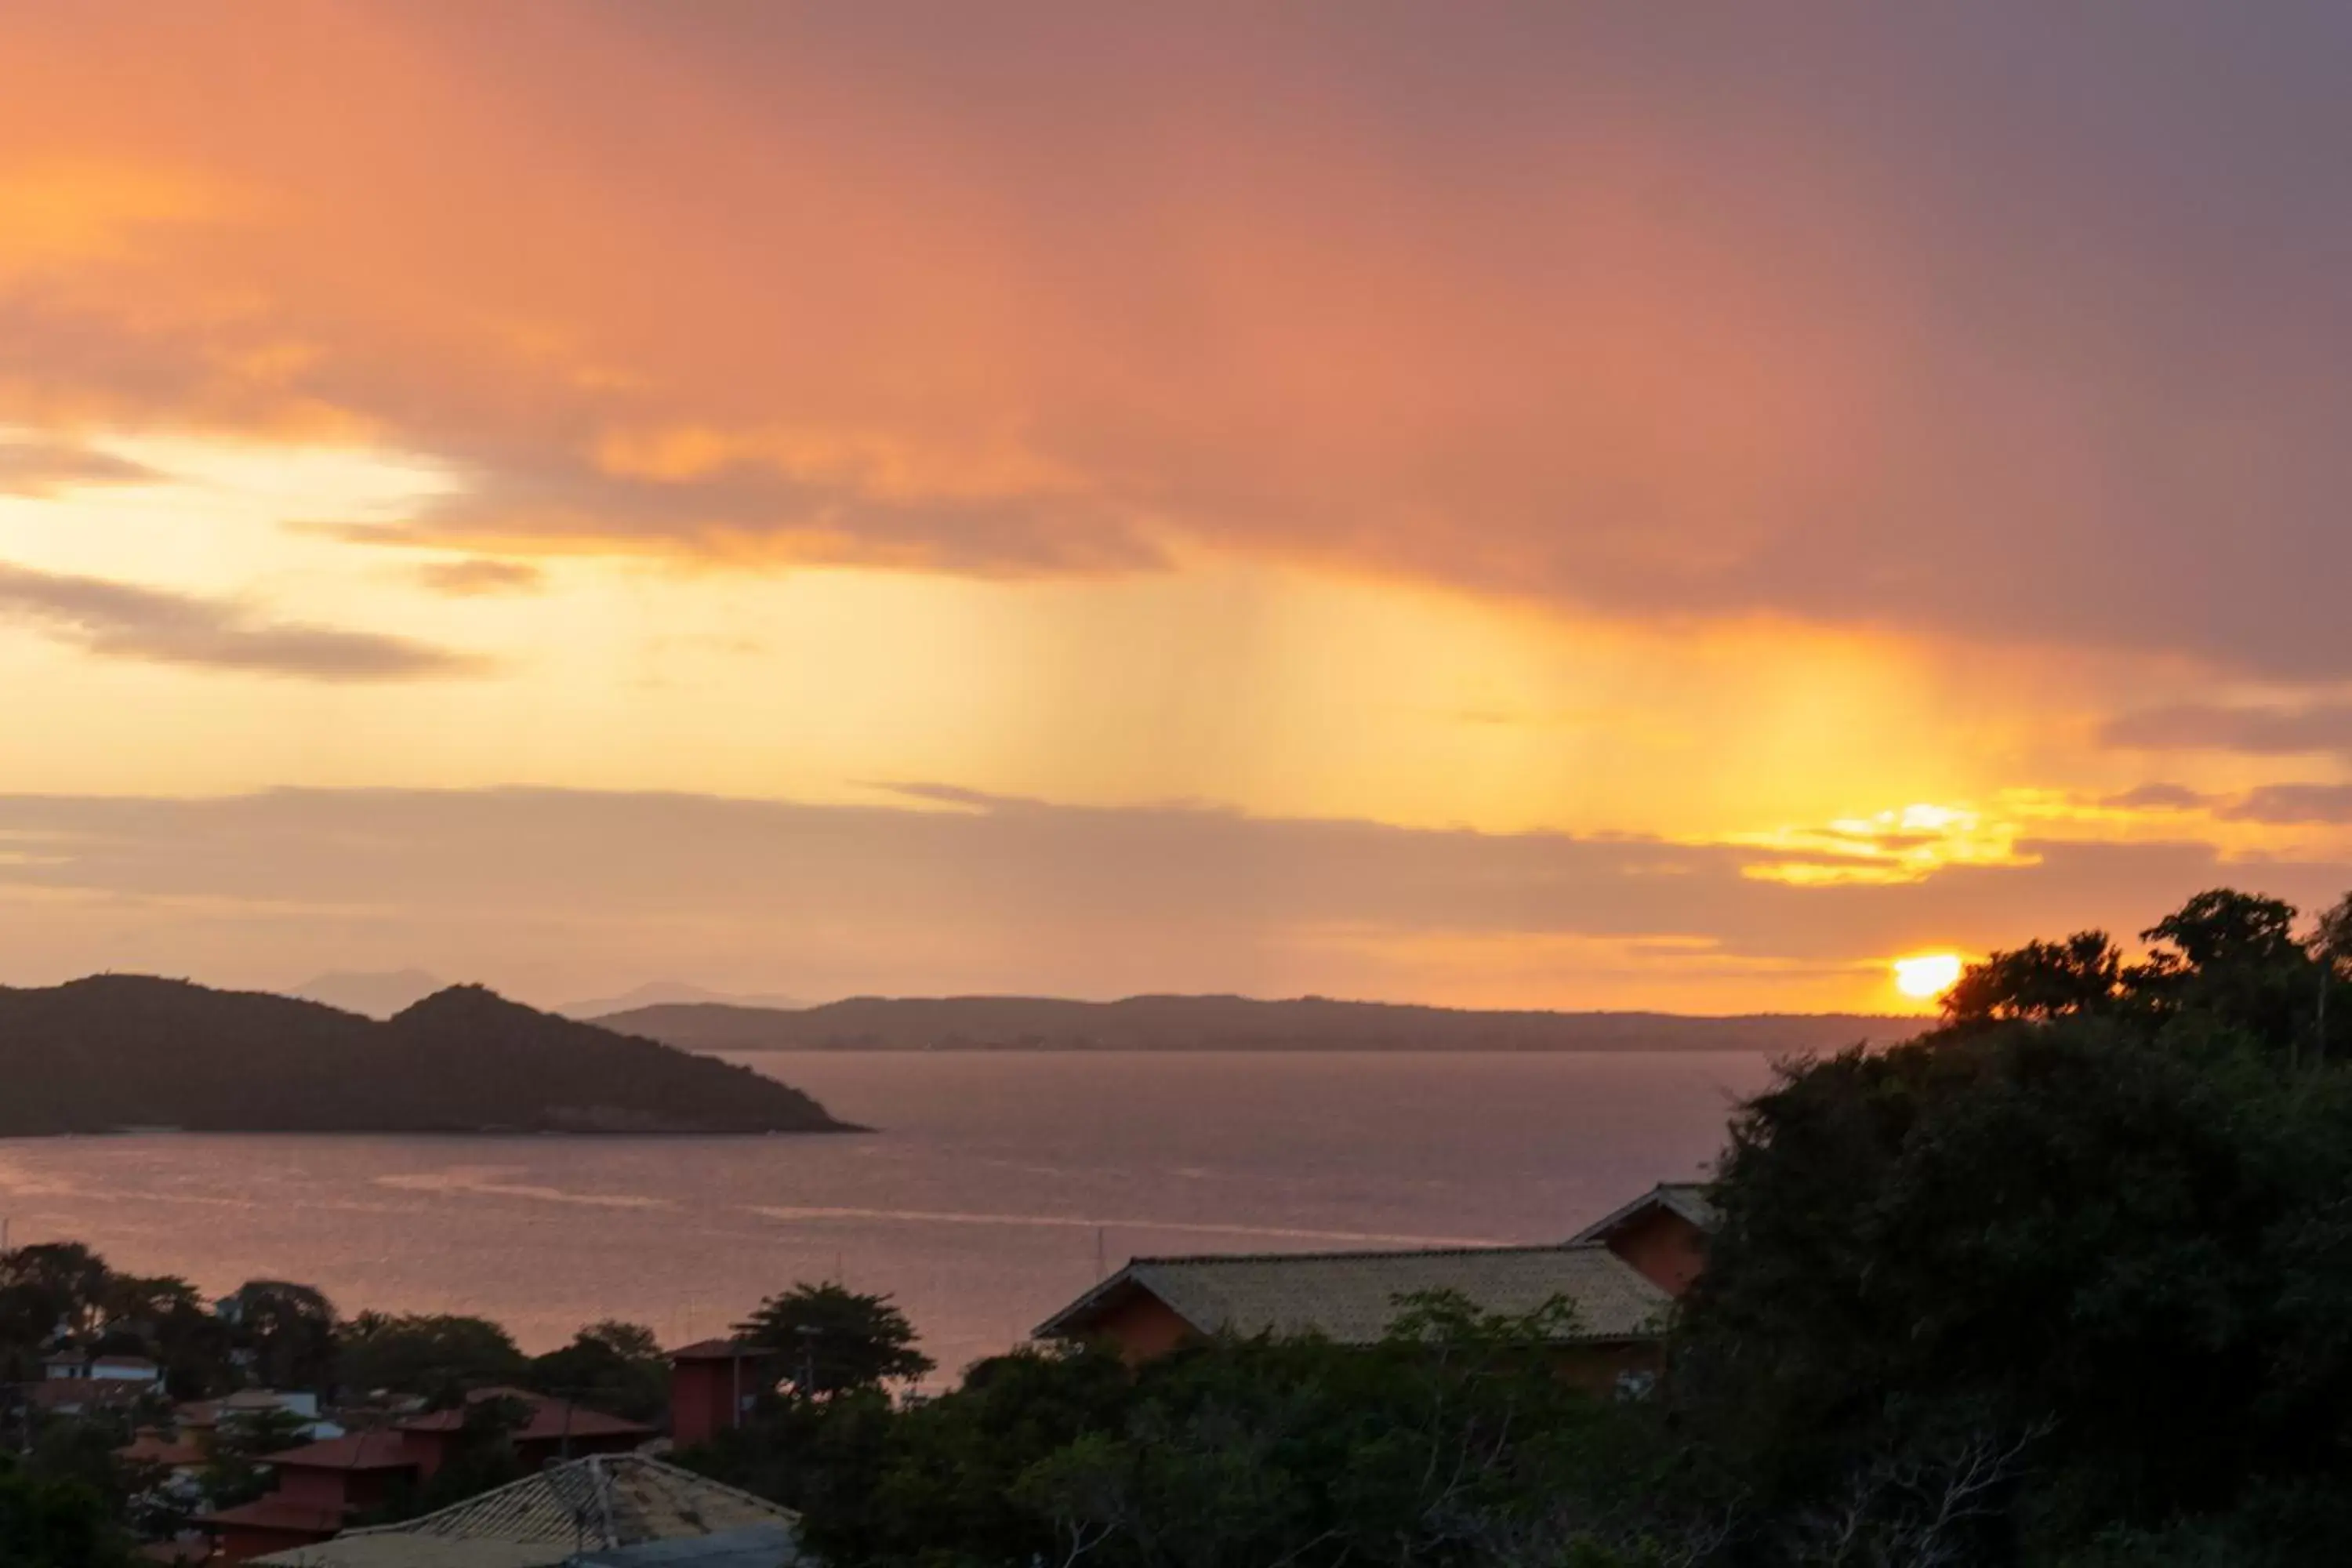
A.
pixel 830 1340
pixel 610 1365
pixel 2042 980
pixel 436 1355
pixel 285 1331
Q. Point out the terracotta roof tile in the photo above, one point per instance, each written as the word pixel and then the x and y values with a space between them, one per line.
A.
pixel 152 1447
pixel 550 1419
pixel 356 1451
pixel 277 1513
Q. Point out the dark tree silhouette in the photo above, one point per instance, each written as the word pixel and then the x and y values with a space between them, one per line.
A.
pixel 829 1340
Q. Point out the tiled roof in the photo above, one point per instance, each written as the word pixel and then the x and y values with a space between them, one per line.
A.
pixel 550 1419
pixel 1353 1297
pixel 274 1512
pixel 1687 1199
pixel 152 1447
pixel 595 1504
pixel 357 1451
pixel 354 1551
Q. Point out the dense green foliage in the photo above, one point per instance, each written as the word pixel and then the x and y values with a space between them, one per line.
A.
pixel 2084 1253
pixel 1454 1442
pixel 439 1355
pixel 610 1366
pixel 122 1051
pixel 49 1523
pixel 266 1333
pixel 286 1332
pixel 2066 1282
pixel 64 1286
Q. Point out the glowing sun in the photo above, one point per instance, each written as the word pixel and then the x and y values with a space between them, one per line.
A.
pixel 1926 976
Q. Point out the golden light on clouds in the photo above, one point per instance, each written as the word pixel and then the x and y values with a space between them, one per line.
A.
pixel 1902 844
pixel 785 404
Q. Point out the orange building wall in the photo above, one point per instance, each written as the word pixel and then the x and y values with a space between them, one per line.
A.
pixel 307 1486
pixel 697 1400
pixel 708 1396
pixel 1666 1248
pixel 1143 1327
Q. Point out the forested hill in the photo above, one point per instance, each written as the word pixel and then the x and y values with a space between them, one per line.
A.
pixel 119 1051
pixel 1226 1023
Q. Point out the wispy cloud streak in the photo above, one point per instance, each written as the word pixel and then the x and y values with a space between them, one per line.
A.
pixel 120 620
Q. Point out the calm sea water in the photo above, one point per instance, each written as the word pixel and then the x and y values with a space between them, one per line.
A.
pixel 996 1184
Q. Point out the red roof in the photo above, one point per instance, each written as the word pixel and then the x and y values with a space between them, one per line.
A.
pixel 719 1350
pixel 550 1419
pixel 358 1451
pixel 152 1447
pixel 276 1513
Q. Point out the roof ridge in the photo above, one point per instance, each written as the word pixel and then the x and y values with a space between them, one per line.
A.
pixel 1495 1250
pixel 596 1471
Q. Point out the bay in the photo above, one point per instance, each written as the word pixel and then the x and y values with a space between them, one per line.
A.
pixel 996 1187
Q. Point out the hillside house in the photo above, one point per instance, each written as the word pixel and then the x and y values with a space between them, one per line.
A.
pixel 71 1366
pixel 606 1511
pixel 713 1385
pixel 250 1405
pixel 1662 1234
pixel 321 1486
pixel 1156 1304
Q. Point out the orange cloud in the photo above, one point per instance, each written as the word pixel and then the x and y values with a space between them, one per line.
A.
pixel 1567 308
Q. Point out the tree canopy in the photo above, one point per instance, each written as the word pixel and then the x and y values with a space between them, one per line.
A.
pixel 612 1366
pixel 437 1355
pixel 831 1341
pixel 2095 1227
pixel 55 1524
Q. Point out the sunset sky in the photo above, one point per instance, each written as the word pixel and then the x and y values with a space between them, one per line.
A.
pixel 1529 505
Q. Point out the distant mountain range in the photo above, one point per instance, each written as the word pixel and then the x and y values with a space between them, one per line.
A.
pixel 380 993
pixel 121 1051
pixel 371 995
pixel 671 992
pixel 1226 1023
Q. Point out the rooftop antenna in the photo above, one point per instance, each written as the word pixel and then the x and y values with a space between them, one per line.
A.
pixel 1102 1262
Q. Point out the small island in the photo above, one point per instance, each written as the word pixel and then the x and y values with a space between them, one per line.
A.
pixel 117 1052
